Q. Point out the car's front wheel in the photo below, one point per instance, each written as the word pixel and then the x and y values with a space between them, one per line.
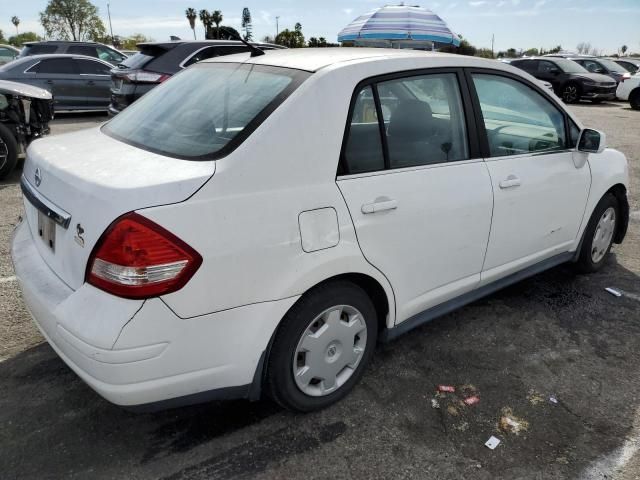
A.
pixel 322 347
pixel 8 151
pixel 599 235
pixel 571 93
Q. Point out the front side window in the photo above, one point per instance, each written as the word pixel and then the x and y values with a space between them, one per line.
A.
pixel 109 55
pixel 82 50
pixel 518 119
pixel 204 111
pixel 547 67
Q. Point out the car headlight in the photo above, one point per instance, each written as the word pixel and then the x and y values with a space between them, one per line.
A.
pixel 590 84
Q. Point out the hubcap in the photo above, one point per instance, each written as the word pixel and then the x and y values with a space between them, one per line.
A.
pixel 329 350
pixel 570 93
pixel 603 235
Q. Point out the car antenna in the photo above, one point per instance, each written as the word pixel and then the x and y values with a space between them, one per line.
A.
pixel 255 51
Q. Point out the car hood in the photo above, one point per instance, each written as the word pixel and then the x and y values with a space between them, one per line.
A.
pixel 24 90
pixel 594 77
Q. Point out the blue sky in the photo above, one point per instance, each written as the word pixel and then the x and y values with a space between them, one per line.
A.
pixel 606 24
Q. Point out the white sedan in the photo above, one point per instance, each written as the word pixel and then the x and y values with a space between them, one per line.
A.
pixel 629 90
pixel 257 224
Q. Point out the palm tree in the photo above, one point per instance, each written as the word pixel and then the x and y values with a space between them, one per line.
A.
pixel 16 21
pixel 205 18
pixel 191 16
pixel 216 17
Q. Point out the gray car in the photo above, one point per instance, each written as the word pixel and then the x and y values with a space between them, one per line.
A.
pixel 77 82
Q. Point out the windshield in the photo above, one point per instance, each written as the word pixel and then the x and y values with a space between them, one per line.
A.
pixel 611 66
pixel 205 111
pixel 569 66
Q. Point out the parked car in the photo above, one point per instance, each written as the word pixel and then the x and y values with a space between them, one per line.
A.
pixel 25 112
pixel 8 53
pixel 570 81
pixel 605 67
pixel 90 49
pixel 259 223
pixel 629 90
pixel 76 82
pixel 157 61
pixel 630 64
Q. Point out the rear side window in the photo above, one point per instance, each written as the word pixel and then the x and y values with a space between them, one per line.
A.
pixel 363 150
pixel 211 52
pixel 88 67
pixel 82 50
pixel 422 122
pixel 38 49
pixel 204 112
pixel 59 66
pixel 518 120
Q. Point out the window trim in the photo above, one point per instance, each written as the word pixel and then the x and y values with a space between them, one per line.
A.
pixel 94 60
pixel 473 142
pixel 481 129
pixel 182 64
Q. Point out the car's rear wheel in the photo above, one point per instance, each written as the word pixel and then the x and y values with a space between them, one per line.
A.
pixel 599 235
pixel 322 347
pixel 8 151
pixel 571 93
pixel 634 99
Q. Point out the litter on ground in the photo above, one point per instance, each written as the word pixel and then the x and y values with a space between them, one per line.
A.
pixel 614 291
pixel 492 443
pixel 509 423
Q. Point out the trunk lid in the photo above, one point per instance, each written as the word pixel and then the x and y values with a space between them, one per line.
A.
pixel 95 179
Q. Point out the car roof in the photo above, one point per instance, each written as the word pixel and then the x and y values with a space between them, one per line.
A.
pixel 314 59
pixel 204 43
pixel 44 56
pixel 62 42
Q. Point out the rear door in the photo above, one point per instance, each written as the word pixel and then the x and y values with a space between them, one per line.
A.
pixel 62 78
pixel 540 184
pixel 419 196
pixel 96 78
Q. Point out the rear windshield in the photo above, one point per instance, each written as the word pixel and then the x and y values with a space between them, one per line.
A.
pixel 205 111
pixel 135 61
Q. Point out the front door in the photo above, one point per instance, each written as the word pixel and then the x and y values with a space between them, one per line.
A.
pixel 61 77
pixel 540 184
pixel 420 203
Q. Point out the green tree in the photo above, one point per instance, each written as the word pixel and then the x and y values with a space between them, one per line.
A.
pixel 132 41
pixel 246 24
pixel 228 33
pixel 16 21
pixel 2 40
pixel 192 16
pixel 291 38
pixel 20 39
pixel 624 49
pixel 72 20
pixel 532 52
pixel 216 17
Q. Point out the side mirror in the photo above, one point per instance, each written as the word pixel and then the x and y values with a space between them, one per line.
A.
pixel 592 141
pixel 554 71
pixel 598 70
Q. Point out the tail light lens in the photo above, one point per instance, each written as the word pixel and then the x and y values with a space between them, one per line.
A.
pixel 137 258
pixel 143 76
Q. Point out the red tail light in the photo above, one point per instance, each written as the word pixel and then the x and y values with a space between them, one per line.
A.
pixel 136 258
pixel 144 76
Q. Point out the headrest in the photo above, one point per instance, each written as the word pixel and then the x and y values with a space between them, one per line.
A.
pixel 411 119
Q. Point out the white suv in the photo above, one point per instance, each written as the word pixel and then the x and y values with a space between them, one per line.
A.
pixel 259 223
pixel 629 90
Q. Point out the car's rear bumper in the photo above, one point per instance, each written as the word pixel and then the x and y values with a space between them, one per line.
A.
pixel 139 353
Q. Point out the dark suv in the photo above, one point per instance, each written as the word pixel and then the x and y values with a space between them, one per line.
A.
pixel 158 61
pixel 90 49
pixel 570 81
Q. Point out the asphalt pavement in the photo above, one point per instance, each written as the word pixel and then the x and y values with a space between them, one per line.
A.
pixel 556 354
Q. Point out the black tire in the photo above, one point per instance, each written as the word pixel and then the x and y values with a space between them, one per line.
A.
pixel 634 99
pixel 571 93
pixel 586 263
pixel 8 151
pixel 279 382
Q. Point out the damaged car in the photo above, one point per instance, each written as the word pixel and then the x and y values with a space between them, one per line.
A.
pixel 25 112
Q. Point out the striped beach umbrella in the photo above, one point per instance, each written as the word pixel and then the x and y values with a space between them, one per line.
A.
pixel 398 23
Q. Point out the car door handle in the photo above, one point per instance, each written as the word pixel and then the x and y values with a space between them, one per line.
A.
pixel 510 182
pixel 379 205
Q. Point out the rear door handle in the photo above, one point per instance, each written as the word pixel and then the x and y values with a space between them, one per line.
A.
pixel 380 204
pixel 510 182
